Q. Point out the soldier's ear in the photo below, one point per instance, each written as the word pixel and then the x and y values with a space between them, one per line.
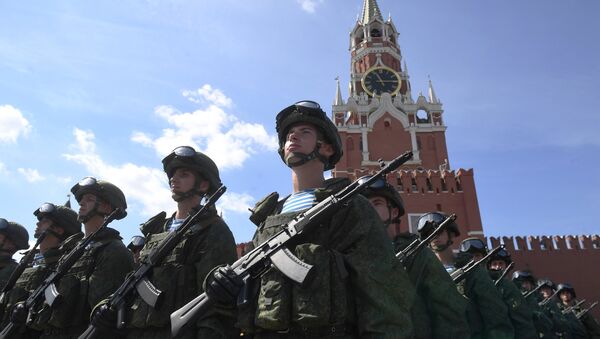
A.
pixel 204 186
pixel 326 149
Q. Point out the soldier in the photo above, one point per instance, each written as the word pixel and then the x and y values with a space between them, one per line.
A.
pixel 59 224
pixel 356 289
pixel 100 270
pixel 568 298
pixel 439 310
pixel 486 312
pixel 13 237
pixel 543 323
pixel 209 243
pixel 519 312
pixel 135 246
pixel 564 325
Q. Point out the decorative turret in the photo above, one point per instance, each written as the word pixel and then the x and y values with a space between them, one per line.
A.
pixel 370 11
pixel 338 94
pixel 432 97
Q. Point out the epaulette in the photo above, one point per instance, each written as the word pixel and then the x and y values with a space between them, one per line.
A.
pixel 154 224
pixel 263 208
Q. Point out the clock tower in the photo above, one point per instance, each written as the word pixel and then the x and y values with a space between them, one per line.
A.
pixel 381 119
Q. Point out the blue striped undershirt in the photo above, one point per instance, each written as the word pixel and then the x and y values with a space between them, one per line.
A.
pixel 175 223
pixel 299 201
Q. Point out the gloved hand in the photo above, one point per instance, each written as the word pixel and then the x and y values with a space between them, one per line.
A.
pixel 103 317
pixel 19 314
pixel 223 285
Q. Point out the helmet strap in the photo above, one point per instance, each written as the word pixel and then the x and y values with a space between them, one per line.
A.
pixel 443 247
pixel 304 158
pixel 85 218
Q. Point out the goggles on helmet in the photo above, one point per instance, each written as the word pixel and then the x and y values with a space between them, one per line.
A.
pixel 470 245
pixel 379 183
pixel 181 151
pixel 521 275
pixel 306 107
pixel 430 219
pixel 137 241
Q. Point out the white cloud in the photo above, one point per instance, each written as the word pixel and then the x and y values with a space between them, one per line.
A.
pixel 235 202
pixel 12 124
pixel 207 95
pixel 144 185
pixel 309 5
pixel 211 130
pixel 31 175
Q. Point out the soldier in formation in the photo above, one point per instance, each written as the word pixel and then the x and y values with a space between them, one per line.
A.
pixel 439 310
pixel 357 288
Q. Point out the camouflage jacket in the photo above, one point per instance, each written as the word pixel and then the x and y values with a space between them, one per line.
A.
pixel 439 310
pixel 180 276
pixel 519 311
pixel 577 327
pixel 98 273
pixel 357 289
pixel 542 321
pixel 7 266
pixel 486 312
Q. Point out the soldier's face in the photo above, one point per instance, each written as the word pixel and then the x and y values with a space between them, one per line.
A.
pixel 182 180
pixel 86 204
pixel 546 292
pixel 498 265
pixel 527 285
pixel 301 138
pixel 42 225
pixel 565 296
pixel 440 241
pixel 381 207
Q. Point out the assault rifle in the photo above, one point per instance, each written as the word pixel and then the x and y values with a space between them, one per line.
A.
pixel 48 288
pixel 462 272
pixel 417 244
pixel 138 281
pixel 528 294
pixel 273 252
pixel 571 308
pixel 25 261
pixel 584 312
pixel 504 272
pixel 547 300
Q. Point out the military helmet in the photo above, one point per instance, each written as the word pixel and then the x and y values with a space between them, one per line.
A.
pixel 566 287
pixel 188 157
pixel 382 188
pixel 547 283
pixel 523 275
pixel 473 245
pixel 103 190
pixel 501 254
pixel 429 221
pixel 309 112
pixel 16 233
pixel 62 216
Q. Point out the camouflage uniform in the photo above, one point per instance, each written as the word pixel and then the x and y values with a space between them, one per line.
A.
pixel 31 278
pixel 519 312
pixel 575 327
pixel 487 313
pixel 589 322
pixel 544 325
pixel 439 311
pixel 180 276
pixel 358 288
pixel 7 266
pixel 98 273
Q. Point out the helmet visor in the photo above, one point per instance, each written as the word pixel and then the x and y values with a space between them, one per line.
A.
pixel 305 107
pixel 377 184
pixel 3 224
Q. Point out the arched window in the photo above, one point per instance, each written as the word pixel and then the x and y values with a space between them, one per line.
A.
pixel 423 117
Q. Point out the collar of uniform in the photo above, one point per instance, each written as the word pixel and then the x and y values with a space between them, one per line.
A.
pixel 52 255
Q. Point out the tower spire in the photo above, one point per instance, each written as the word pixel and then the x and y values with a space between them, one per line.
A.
pixel 432 97
pixel 370 11
pixel 338 93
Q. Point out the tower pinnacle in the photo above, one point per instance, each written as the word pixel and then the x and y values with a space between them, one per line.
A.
pixel 432 97
pixel 338 94
pixel 370 11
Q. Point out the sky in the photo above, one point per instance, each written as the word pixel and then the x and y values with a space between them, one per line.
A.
pixel 107 89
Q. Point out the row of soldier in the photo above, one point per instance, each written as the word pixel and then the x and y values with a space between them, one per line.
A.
pixel 357 288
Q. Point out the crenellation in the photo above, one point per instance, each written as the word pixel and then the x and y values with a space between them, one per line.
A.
pixel 521 243
pixel 509 243
pixel 546 244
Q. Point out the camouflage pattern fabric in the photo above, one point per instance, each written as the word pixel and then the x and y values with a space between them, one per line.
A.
pixel 180 276
pixel 439 311
pixel 519 311
pixel 576 327
pixel 7 266
pixel 487 314
pixel 358 289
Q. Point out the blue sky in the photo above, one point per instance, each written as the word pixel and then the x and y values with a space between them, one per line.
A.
pixel 109 88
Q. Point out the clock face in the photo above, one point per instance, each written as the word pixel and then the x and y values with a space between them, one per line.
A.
pixel 380 80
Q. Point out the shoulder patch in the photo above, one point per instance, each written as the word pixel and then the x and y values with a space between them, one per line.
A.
pixel 264 208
